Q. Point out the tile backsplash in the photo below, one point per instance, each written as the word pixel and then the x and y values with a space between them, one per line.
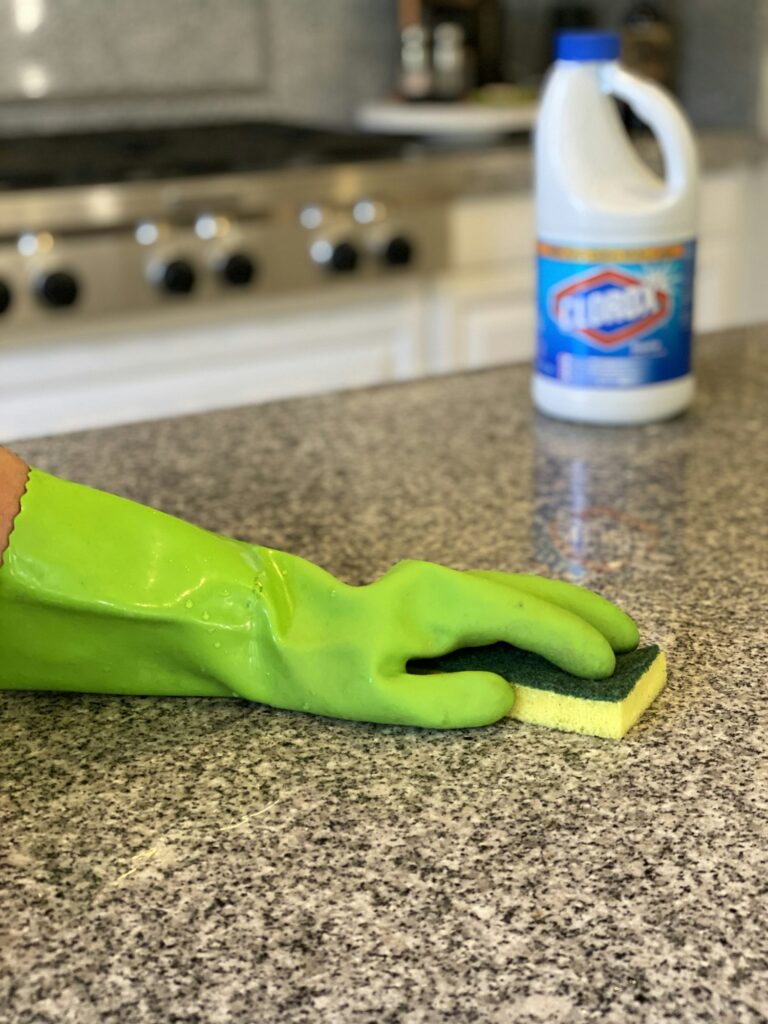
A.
pixel 73 48
pixel 719 50
pixel 86 63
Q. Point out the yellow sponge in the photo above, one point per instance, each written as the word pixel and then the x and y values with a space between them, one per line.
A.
pixel 576 712
pixel 545 695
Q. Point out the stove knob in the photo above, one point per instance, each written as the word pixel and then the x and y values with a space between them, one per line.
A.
pixel 58 289
pixel 176 277
pixel 398 252
pixel 344 258
pixel 339 257
pixel 238 269
pixel 5 296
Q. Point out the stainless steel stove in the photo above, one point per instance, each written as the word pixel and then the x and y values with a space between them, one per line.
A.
pixel 155 273
pixel 109 224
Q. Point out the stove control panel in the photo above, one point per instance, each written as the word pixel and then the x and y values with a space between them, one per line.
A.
pixel 191 250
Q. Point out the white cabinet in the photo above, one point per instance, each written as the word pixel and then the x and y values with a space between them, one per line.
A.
pixel 720 298
pixel 481 318
pixel 320 343
pixel 723 295
pixel 482 313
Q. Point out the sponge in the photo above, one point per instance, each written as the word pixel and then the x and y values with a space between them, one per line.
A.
pixel 545 695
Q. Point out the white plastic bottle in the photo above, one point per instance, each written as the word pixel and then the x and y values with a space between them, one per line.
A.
pixel 616 244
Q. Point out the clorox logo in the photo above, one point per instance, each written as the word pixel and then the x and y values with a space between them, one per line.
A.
pixel 608 307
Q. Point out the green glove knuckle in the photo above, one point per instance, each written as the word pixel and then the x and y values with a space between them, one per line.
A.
pixel 617 627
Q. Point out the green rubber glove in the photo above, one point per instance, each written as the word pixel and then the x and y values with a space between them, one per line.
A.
pixel 99 594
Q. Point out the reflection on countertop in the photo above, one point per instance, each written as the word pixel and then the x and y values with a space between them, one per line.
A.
pixel 206 859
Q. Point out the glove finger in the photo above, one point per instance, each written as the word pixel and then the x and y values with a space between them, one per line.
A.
pixel 616 626
pixel 446 700
pixel 442 610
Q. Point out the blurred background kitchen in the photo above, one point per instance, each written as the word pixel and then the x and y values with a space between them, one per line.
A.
pixel 207 203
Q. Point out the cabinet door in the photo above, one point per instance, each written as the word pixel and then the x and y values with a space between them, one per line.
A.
pixel 723 294
pixel 153 371
pixel 485 318
pixel 498 332
pixel 720 297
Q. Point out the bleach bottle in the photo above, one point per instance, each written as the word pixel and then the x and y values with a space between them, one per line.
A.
pixel 615 244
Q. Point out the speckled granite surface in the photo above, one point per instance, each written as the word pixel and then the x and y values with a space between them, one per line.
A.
pixel 211 861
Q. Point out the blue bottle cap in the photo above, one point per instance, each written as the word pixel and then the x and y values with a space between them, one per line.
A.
pixel 587 45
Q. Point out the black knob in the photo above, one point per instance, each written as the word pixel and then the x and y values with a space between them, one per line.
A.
pixel 58 289
pixel 344 258
pixel 5 296
pixel 177 277
pixel 238 269
pixel 398 251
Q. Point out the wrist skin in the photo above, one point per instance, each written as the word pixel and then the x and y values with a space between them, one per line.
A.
pixel 13 481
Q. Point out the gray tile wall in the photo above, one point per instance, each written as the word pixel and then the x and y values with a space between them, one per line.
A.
pixel 123 62
pixel 85 63
pixel 71 48
pixel 718 57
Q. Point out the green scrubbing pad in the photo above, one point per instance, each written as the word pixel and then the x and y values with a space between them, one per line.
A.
pixel 545 695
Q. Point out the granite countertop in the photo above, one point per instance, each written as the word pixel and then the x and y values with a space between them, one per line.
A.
pixel 508 164
pixel 211 861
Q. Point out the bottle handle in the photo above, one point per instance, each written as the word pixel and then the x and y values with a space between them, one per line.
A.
pixel 662 115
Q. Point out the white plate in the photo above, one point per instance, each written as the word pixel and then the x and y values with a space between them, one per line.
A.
pixel 455 120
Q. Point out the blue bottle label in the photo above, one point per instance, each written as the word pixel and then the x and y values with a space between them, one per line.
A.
pixel 615 318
